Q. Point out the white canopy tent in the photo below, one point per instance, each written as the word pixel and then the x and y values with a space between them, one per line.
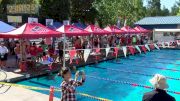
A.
pixel 160 36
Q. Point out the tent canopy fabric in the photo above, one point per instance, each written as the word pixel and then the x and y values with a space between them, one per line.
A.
pixel 71 30
pixel 31 30
pixel 128 29
pixel 5 27
pixel 96 30
pixel 114 30
pixel 141 30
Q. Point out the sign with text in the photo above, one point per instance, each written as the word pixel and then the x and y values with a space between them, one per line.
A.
pixel 49 22
pixel 22 9
pixel 16 19
pixel 32 20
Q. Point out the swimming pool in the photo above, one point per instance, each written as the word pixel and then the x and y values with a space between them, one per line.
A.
pixel 113 80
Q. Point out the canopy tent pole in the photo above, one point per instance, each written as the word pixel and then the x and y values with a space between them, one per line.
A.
pixel 64 51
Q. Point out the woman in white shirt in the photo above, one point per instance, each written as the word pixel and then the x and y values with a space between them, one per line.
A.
pixel 3 55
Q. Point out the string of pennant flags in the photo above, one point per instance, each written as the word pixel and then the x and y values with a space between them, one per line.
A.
pixel 125 49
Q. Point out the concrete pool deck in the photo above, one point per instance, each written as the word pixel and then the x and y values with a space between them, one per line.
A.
pixel 21 94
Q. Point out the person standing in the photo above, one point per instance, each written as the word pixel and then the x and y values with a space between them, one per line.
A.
pixel 68 85
pixel 3 55
pixel 159 93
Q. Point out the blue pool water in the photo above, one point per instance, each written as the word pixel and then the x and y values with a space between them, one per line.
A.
pixel 136 66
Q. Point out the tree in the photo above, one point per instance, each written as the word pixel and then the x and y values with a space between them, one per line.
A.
pixel 175 8
pixel 110 10
pixel 154 8
pixel 165 11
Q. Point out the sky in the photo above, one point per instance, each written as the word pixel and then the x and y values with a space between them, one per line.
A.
pixel 167 3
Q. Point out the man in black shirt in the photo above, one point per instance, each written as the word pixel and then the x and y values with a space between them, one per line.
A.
pixel 159 94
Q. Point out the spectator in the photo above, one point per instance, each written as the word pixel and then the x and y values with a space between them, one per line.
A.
pixel 68 85
pixel 3 55
pixel 159 94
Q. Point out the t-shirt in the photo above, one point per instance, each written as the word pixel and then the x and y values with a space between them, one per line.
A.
pixel 3 50
pixel 44 47
pixel 33 50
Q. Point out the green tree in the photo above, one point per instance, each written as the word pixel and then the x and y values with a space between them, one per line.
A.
pixel 165 11
pixel 110 10
pixel 175 8
pixel 154 8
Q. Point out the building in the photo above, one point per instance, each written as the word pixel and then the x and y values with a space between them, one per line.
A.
pixel 165 28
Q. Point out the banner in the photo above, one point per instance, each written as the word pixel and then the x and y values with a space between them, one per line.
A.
pixel 22 8
pixel 137 47
pixel 143 48
pixel 155 45
pixel 66 22
pixel 116 51
pixel 16 19
pixel 32 20
pixel 86 54
pixel 163 45
pixel 107 51
pixel 72 53
pixel 98 50
pixel 151 46
pixel 124 50
pixel 48 41
pixel 147 47
pixel 131 50
pixel 49 22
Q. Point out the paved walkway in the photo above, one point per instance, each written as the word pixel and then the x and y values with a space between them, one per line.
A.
pixel 21 94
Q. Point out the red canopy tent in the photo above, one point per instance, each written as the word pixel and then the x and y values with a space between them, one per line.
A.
pixel 71 30
pixel 128 30
pixel 31 30
pixel 114 30
pixel 141 30
pixel 96 30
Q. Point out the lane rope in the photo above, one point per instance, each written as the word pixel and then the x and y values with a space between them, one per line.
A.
pixel 161 68
pixel 56 89
pixel 131 72
pixel 131 84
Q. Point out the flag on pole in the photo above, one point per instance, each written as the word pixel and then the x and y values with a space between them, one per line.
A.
pixel 125 21
pixel 118 22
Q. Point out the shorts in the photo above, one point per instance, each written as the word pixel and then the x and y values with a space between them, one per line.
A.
pixel 60 53
pixel 3 57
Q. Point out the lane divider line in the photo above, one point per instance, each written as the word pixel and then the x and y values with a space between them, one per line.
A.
pixel 131 72
pixel 56 89
pixel 131 84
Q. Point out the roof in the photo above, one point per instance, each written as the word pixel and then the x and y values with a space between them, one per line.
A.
pixel 31 30
pixel 166 30
pixel 159 20
pixel 5 27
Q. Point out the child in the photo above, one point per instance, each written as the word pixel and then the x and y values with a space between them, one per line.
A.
pixel 68 85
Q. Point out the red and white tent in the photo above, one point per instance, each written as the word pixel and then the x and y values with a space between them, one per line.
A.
pixel 128 29
pixel 96 30
pixel 71 30
pixel 31 30
pixel 114 30
pixel 141 30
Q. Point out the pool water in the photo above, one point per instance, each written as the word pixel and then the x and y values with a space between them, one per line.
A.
pixel 136 66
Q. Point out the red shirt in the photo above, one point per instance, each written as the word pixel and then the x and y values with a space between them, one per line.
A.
pixel 40 50
pixel 33 50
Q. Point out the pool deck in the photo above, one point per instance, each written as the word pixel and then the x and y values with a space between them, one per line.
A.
pixel 21 94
